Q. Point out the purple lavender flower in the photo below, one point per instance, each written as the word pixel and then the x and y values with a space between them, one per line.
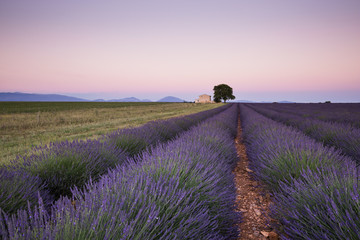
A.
pixel 341 135
pixel 180 190
pixel 18 188
pixel 315 187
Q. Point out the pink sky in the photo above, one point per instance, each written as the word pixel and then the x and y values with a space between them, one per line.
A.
pixel 265 50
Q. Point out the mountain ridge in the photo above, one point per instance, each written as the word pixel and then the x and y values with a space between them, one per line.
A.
pixel 171 99
pixel 36 97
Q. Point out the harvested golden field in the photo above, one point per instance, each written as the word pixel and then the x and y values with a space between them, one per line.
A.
pixel 24 125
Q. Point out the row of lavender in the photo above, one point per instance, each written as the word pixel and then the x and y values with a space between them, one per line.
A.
pixel 336 112
pixel 315 188
pixel 340 135
pixel 52 170
pixel 180 190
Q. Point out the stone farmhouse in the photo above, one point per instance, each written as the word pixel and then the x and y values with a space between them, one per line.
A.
pixel 204 99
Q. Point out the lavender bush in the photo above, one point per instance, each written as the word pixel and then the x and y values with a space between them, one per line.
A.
pixel 133 141
pixel 136 140
pixel 180 190
pixel 348 113
pixel 142 207
pixel 281 152
pixel 315 188
pixel 18 188
pixel 323 204
pixel 341 135
pixel 63 165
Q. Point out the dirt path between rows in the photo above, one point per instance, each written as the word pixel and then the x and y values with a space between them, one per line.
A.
pixel 252 200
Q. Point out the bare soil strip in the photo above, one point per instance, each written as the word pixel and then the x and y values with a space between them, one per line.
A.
pixel 252 200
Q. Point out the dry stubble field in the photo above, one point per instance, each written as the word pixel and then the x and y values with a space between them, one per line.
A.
pixel 24 125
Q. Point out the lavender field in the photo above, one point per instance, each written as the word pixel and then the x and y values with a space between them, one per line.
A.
pixel 310 165
pixel 172 179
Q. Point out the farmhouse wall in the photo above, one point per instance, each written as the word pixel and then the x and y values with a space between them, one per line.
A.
pixel 204 99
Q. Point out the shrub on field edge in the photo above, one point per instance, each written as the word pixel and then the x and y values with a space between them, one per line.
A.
pixel 323 204
pixel 67 164
pixel 281 153
pixel 19 188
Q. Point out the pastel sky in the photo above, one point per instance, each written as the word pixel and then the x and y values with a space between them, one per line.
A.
pixel 306 50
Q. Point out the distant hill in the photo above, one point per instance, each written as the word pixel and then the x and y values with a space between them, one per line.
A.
pixel 171 99
pixel 33 97
pixel 129 99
